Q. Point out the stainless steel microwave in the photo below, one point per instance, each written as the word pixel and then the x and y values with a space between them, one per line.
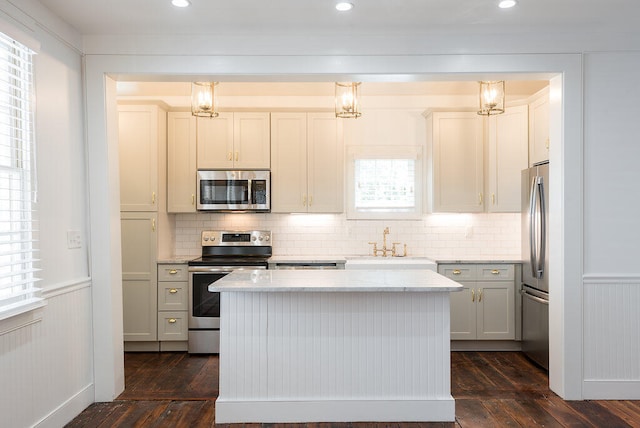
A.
pixel 224 190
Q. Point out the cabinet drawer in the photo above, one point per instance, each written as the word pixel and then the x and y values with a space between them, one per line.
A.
pixel 177 272
pixel 497 272
pixel 172 325
pixel 173 296
pixel 461 272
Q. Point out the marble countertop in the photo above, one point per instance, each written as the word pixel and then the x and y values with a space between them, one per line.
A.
pixel 374 280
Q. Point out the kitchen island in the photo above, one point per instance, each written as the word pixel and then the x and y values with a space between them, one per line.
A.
pixel 334 346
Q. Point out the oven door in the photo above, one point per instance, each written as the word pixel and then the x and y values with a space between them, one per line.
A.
pixel 204 306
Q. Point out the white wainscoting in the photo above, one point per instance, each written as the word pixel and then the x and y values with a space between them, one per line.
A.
pixel 46 366
pixel 611 337
pixel 295 357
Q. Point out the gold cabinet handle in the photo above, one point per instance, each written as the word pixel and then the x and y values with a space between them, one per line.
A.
pixel 479 198
pixel 456 272
pixel 173 290
pixel 153 197
pixel 304 200
pixel 172 320
pixel 173 271
pixel 230 156
pixel 310 200
pixel 237 156
pixel 495 272
pixel 153 224
pixel 493 198
pixel 193 199
pixel 473 295
pixel 480 295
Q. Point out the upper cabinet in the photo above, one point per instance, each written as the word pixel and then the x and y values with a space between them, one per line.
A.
pixel 306 163
pixel 539 127
pixel 234 140
pixel 455 164
pixel 141 129
pixel 181 162
pixel 507 149
pixel 475 161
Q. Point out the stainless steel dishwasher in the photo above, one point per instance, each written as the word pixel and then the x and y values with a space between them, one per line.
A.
pixel 315 265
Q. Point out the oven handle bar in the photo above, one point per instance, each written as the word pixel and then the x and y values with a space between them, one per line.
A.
pixel 222 269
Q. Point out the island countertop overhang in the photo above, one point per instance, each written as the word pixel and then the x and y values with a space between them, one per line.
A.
pixel 375 280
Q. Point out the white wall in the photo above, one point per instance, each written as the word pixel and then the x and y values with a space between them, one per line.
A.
pixel 46 361
pixel 612 272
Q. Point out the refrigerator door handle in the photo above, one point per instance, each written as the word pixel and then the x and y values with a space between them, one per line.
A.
pixel 543 229
pixel 533 201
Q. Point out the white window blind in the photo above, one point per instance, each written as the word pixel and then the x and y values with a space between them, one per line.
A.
pixel 17 179
pixel 384 182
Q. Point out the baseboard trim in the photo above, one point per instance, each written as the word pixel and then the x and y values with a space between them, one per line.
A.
pixel 611 390
pixel 485 345
pixel 381 410
pixel 68 410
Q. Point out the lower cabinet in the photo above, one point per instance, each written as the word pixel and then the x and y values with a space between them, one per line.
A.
pixel 139 280
pixel 486 308
pixel 173 294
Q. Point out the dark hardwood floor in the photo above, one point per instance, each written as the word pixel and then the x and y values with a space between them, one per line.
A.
pixel 491 389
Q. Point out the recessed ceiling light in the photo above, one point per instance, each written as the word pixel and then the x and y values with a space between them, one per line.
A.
pixel 180 3
pixel 506 4
pixel 344 6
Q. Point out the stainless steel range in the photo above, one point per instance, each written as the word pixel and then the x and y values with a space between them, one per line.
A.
pixel 222 252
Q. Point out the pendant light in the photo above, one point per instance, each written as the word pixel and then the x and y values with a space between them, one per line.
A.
pixel 491 98
pixel 203 99
pixel 347 103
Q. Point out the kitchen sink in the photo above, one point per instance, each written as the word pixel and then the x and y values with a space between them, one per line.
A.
pixel 371 262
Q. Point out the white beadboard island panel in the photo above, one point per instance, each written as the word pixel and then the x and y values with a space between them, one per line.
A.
pixel 314 354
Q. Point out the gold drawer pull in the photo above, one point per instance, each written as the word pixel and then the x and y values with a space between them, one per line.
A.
pixel 456 272
pixel 172 320
pixel 480 295
pixel 473 295
pixel 495 272
pixel 173 291
pixel 173 272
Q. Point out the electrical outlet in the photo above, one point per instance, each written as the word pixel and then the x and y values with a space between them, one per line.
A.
pixel 74 240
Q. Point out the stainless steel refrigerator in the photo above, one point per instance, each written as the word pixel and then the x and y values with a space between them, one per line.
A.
pixel 535 263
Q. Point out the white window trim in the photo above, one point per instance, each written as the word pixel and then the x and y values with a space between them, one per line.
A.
pixel 15 312
pixel 384 152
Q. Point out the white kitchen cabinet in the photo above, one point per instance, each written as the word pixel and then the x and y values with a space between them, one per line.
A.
pixel 539 127
pixel 141 128
pixel 507 147
pixel 485 309
pixel 235 140
pixel 181 162
pixel 173 295
pixel 307 163
pixel 139 276
pixel 455 168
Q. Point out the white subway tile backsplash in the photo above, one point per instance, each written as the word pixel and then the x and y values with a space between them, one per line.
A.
pixel 438 236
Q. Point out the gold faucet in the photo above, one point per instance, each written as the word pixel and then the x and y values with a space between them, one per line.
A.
pixel 384 248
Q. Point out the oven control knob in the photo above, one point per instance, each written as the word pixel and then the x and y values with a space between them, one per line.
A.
pixel 260 238
pixel 205 237
pixel 253 238
pixel 266 238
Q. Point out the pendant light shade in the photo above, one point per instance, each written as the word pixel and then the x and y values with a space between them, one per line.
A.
pixel 491 98
pixel 347 101
pixel 203 99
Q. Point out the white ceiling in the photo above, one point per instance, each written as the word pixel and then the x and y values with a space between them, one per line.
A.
pixel 153 17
